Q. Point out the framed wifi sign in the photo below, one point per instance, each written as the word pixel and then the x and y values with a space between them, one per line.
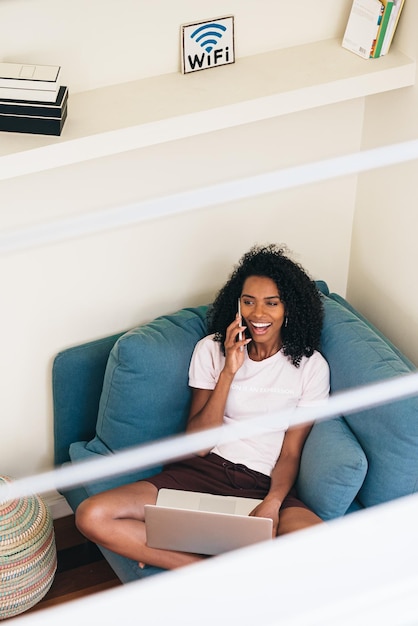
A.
pixel 207 44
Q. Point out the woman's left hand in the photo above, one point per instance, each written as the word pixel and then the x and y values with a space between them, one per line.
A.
pixel 268 508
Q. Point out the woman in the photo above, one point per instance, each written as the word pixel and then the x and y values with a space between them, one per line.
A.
pixel 262 362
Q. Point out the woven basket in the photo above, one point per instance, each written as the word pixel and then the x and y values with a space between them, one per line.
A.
pixel 28 557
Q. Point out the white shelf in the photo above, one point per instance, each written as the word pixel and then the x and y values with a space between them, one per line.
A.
pixel 137 114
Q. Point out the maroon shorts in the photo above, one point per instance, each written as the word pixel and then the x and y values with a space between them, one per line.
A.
pixel 213 474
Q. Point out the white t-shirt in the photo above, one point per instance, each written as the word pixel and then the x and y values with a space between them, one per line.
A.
pixel 260 388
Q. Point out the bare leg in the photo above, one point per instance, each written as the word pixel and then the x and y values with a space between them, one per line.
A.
pixel 296 518
pixel 115 520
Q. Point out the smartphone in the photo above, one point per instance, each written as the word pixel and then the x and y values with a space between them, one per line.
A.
pixel 240 333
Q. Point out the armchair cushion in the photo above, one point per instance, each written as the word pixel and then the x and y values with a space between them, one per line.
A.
pixel 145 393
pixel 359 355
pixel 332 470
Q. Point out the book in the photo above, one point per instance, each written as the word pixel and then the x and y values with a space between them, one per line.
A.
pixel 363 26
pixel 38 77
pixel 393 22
pixel 379 26
pixel 377 48
pixel 34 117
pixel 33 95
pixel 35 109
pixel 32 125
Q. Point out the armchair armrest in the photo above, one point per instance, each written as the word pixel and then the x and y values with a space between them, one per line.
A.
pixel 77 379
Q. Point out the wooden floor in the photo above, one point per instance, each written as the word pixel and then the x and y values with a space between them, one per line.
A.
pixel 82 569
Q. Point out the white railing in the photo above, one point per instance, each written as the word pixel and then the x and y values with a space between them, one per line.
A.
pixel 358 569
pixel 288 178
pixel 159 452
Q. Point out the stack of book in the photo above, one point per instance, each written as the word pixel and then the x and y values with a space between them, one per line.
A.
pixel 371 27
pixel 32 99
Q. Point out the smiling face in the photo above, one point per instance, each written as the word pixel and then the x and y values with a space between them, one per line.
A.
pixel 263 312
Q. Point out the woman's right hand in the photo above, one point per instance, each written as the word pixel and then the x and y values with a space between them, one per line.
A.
pixel 234 347
pixel 207 409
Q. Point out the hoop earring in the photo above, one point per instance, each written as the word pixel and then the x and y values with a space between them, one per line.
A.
pixel 286 320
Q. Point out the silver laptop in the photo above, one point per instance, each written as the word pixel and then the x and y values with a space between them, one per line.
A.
pixel 202 523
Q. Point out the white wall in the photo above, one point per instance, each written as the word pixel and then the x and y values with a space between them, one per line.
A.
pixel 59 295
pixel 63 294
pixel 384 255
pixel 101 42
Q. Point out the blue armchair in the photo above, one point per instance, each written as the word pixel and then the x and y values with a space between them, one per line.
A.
pixel 131 388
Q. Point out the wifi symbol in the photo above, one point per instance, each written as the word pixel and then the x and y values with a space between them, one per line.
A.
pixel 204 35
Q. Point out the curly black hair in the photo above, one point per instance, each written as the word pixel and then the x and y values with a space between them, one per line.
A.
pixel 298 292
